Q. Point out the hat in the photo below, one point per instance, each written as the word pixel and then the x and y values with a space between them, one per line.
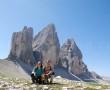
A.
pixel 39 62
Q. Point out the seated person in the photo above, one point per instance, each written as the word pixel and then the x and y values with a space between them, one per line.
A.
pixel 37 73
pixel 48 72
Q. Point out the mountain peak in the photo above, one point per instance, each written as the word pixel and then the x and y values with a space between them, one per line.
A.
pixel 70 41
pixel 46 41
pixel 49 28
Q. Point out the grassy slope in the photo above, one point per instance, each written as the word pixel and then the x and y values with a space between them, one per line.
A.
pixel 5 82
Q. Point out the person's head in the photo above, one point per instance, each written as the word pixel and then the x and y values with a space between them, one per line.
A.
pixel 49 62
pixel 38 64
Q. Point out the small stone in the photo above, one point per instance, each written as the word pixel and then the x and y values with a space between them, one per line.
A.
pixel 45 88
pixel 4 85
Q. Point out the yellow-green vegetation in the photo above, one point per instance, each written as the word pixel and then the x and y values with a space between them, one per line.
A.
pixel 22 84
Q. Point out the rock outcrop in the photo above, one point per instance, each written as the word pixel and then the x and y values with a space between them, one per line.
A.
pixel 46 44
pixel 21 46
pixel 95 75
pixel 71 58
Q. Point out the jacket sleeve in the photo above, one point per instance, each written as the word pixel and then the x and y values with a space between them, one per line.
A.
pixel 33 71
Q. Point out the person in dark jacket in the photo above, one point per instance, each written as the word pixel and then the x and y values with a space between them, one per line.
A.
pixel 37 73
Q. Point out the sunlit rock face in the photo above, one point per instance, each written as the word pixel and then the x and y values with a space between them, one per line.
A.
pixel 71 58
pixel 21 46
pixel 46 44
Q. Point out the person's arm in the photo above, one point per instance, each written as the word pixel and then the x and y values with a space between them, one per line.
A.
pixel 33 71
pixel 50 72
pixel 42 70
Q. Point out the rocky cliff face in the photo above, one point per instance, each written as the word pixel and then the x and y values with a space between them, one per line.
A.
pixel 46 44
pixel 71 58
pixel 21 46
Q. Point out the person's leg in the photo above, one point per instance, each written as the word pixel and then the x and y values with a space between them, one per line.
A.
pixel 39 80
pixel 46 79
pixel 43 79
pixel 33 78
pixel 51 78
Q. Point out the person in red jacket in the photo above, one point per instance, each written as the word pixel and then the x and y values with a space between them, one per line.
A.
pixel 48 72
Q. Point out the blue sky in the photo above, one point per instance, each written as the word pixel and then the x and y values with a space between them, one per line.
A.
pixel 87 21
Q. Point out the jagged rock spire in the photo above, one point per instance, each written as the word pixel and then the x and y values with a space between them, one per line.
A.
pixel 47 43
pixel 71 57
pixel 21 46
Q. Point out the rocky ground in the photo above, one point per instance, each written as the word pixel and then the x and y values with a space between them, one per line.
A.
pixel 59 84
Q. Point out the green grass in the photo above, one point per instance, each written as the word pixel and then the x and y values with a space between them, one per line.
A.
pixel 56 86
